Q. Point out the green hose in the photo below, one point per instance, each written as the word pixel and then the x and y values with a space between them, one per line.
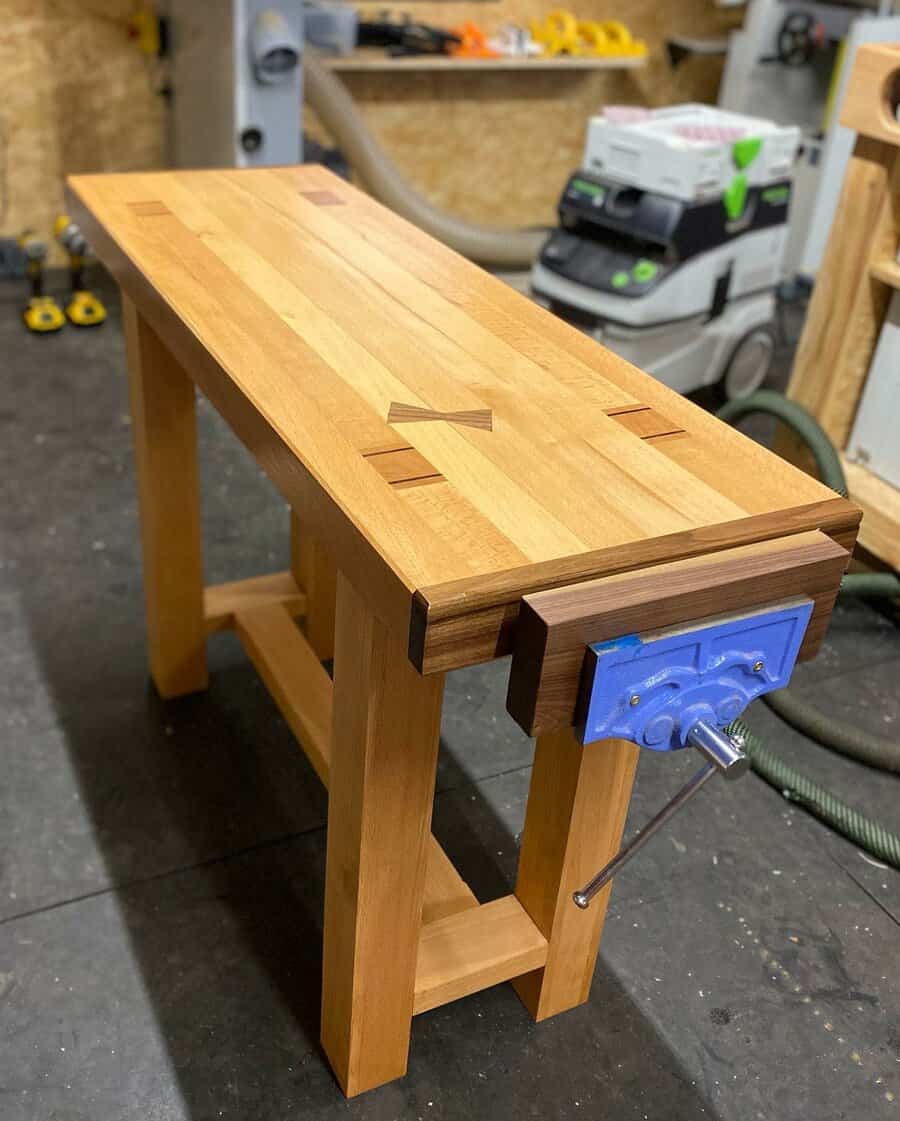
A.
pixel 796 787
pixel 847 739
pixel 871 585
pixel 877 751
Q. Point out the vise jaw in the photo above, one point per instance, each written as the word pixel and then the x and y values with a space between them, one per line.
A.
pixel 652 688
pixel 680 687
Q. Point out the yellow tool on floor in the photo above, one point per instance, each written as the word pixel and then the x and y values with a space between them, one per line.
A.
pixel 42 314
pixel 83 309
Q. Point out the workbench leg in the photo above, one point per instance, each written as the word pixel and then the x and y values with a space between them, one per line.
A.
pixel 573 825
pixel 381 790
pixel 164 424
pixel 315 574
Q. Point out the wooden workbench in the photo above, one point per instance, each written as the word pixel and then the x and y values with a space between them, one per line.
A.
pixel 447 448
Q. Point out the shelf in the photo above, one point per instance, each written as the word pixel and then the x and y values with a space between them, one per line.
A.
pixel 375 59
pixel 880 503
pixel 887 271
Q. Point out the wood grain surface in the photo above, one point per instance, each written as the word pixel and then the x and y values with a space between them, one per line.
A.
pixel 555 627
pixel 870 103
pixel 304 323
pixel 577 803
pixel 164 428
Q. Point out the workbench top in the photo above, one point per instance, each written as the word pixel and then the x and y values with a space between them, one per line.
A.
pixel 337 322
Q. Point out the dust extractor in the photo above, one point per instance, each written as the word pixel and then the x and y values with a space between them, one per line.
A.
pixel 670 242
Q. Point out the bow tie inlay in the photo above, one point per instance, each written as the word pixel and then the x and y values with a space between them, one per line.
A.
pixel 474 418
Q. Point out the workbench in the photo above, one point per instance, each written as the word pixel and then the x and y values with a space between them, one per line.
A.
pixel 469 477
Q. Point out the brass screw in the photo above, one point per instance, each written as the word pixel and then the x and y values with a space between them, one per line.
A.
pixel 757 667
pixel 635 700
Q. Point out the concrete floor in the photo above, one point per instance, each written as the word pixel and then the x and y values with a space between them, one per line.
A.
pixel 161 868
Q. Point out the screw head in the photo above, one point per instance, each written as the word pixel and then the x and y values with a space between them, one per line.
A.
pixel 635 700
pixel 757 667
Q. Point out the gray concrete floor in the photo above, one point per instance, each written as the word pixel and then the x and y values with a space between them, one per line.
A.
pixel 161 863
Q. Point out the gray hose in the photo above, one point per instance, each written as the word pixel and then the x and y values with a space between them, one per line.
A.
pixel 796 787
pixel 847 739
pixel 488 245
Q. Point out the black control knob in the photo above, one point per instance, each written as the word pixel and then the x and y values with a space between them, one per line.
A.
pixel 251 139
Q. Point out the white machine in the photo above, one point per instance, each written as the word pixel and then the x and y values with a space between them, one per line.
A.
pixel 237 82
pixel 671 242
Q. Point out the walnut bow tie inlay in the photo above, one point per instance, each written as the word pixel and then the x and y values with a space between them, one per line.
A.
pixel 474 418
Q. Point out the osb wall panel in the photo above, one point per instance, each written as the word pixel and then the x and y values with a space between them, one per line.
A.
pixel 498 146
pixel 75 95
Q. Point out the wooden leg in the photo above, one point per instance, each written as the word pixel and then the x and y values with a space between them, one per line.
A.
pixel 312 569
pixel 573 825
pixel 165 440
pixel 384 756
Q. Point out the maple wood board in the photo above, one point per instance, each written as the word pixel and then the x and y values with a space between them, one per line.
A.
pixel 305 322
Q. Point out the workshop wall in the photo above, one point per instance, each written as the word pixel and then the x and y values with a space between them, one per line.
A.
pixel 75 95
pixel 498 146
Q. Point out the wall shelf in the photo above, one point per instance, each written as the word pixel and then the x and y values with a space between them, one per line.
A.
pixel 375 59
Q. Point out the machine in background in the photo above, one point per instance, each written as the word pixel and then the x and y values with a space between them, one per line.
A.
pixel 237 82
pixel 670 242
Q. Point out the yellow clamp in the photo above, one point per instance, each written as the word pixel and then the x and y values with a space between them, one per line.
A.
pixel 610 39
pixel 562 33
pixel 558 34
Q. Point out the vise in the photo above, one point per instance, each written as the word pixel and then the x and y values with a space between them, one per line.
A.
pixel 682 686
pixel 669 658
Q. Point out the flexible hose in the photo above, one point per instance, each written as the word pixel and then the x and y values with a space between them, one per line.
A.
pixel 876 751
pixel 871 585
pixel 809 430
pixel 488 245
pixel 796 787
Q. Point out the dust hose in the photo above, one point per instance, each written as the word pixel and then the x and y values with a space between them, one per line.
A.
pixel 875 838
pixel 876 751
pixel 828 462
pixel 846 739
pixel 488 245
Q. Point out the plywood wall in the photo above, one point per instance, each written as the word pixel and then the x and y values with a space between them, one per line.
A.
pixel 75 95
pixel 499 146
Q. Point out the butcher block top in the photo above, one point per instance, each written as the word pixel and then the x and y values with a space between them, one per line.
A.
pixel 470 446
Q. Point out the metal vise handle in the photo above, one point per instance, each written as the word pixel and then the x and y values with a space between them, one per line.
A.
pixel 723 754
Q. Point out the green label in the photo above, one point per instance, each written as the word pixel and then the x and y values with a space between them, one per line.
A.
pixel 745 151
pixel 735 196
pixel 776 196
pixel 592 189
